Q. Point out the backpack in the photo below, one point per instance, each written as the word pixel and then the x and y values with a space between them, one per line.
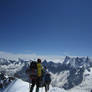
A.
pixel 33 70
pixel 33 65
pixel 47 78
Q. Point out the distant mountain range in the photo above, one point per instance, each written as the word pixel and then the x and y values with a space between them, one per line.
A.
pixel 68 74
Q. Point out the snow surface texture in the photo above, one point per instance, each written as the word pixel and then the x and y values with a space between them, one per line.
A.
pixel 20 86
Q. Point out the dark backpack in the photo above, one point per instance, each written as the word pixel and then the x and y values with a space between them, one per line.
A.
pixel 33 70
pixel 33 65
pixel 47 78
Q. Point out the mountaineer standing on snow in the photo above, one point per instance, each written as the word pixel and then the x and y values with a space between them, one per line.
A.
pixel 35 72
pixel 39 68
pixel 38 75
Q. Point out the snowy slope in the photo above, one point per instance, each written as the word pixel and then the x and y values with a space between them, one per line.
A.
pixel 21 86
pixel 58 80
pixel 86 85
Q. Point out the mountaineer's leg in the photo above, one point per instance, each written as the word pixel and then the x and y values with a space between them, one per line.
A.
pixel 32 86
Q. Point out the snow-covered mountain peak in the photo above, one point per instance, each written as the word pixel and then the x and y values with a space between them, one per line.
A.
pixel 3 61
pixel 77 62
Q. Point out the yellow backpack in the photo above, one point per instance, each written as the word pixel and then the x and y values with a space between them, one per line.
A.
pixel 39 69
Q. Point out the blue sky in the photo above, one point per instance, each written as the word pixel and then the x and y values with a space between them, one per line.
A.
pixel 46 27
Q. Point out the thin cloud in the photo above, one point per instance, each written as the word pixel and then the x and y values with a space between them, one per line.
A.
pixel 33 56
